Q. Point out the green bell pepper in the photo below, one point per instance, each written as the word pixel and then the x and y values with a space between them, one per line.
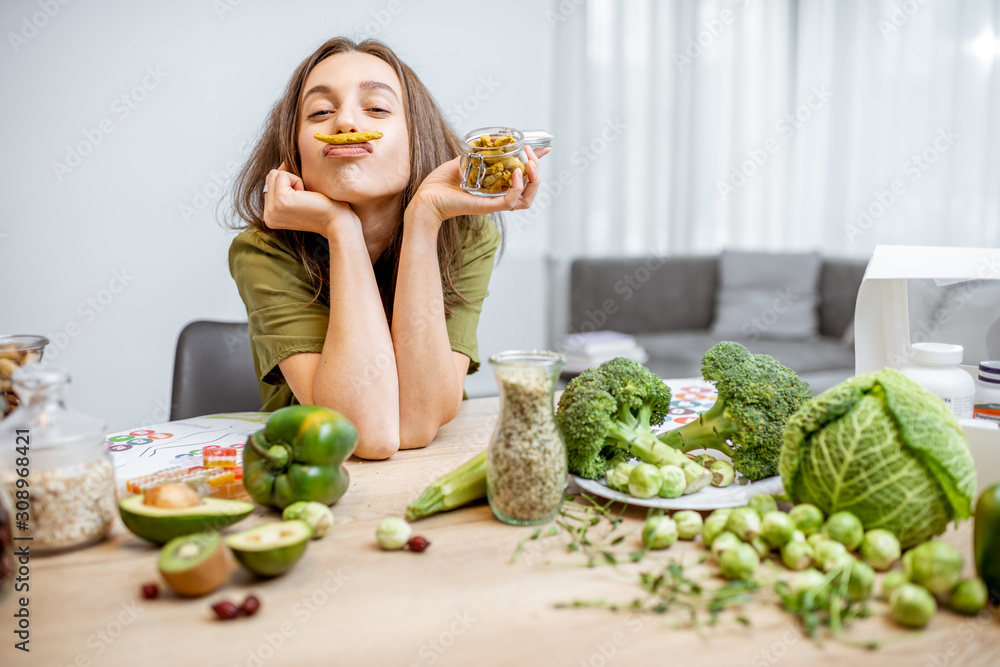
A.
pixel 298 456
pixel 987 539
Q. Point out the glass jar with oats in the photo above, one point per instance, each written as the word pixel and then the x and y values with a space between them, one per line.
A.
pixel 526 460
pixel 55 466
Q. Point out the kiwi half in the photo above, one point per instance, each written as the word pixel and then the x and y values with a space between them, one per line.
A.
pixel 195 564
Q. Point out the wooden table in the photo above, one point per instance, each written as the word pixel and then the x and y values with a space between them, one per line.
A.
pixel 461 602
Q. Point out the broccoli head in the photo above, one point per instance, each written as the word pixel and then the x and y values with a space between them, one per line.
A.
pixel 606 415
pixel 757 396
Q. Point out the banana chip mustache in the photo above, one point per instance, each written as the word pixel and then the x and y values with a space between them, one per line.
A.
pixel 348 137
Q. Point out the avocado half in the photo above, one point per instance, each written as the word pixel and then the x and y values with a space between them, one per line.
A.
pixel 271 549
pixel 162 524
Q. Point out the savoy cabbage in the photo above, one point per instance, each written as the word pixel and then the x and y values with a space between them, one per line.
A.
pixel 885 449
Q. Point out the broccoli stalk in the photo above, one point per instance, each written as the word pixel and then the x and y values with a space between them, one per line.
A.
pixel 606 416
pixel 757 396
pixel 712 426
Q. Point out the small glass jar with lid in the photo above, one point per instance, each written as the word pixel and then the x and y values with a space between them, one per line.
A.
pixel 491 155
pixel 16 351
pixel 55 466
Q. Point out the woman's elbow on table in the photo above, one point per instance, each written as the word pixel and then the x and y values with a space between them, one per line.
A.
pixel 416 436
pixel 376 445
pixel 420 431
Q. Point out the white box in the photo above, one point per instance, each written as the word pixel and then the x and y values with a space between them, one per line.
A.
pixel 967 282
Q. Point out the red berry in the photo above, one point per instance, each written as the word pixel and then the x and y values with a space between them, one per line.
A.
pixel 250 605
pixel 418 543
pixel 150 591
pixel 225 610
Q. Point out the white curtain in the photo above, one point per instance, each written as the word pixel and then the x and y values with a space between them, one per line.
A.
pixel 686 126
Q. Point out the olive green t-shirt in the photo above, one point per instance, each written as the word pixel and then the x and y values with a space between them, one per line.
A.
pixel 285 320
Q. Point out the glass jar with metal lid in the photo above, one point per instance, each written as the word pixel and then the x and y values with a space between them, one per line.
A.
pixel 491 155
pixel 55 466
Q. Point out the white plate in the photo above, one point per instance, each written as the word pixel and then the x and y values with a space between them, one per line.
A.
pixel 709 498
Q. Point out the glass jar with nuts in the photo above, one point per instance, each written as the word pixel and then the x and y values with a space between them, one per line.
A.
pixel 491 155
pixel 54 466
pixel 16 351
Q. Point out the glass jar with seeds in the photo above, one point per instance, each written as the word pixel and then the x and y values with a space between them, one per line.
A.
pixel 526 460
pixel 55 466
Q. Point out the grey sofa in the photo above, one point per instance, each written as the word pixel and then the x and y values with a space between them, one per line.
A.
pixel 670 311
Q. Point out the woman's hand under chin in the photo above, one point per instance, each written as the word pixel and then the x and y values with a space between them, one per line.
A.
pixel 288 205
pixel 441 197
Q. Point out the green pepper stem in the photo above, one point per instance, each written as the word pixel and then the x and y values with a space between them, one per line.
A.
pixel 262 453
pixel 275 455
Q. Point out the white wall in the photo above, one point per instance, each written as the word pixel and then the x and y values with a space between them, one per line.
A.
pixel 112 253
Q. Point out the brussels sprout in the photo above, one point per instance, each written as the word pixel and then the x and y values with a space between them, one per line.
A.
pixel 815 539
pixel 659 532
pixel 880 549
pixel 912 605
pixel 714 524
pixel 617 476
pixel 763 503
pixel 807 518
pixel 777 529
pixel 810 587
pixel 723 473
pixel 644 481
pixel 891 581
pixel 745 523
pixel 704 460
pixel 674 482
pixel 316 514
pixel 861 581
pixel 935 565
pixel 724 542
pixel 725 511
pixel 761 546
pixel 845 528
pixel 797 555
pixel 697 477
pixel 689 524
pixel 969 596
pixel 740 562
pixel 393 533
pixel 828 554
pixel 798 536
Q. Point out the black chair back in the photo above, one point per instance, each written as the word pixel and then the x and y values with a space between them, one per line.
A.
pixel 213 371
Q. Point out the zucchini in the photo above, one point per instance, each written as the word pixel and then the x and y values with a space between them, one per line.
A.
pixel 459 487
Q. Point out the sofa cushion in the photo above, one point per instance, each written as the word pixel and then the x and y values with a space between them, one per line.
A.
pixel 678 354
pixel 839 283
pixel 642 294
pixel 767 296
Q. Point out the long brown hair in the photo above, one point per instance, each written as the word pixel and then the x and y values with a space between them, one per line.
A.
pixel 432 142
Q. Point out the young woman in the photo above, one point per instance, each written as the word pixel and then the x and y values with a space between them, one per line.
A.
pixel 363 267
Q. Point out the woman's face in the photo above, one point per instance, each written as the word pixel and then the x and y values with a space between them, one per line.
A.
pixel 354 92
